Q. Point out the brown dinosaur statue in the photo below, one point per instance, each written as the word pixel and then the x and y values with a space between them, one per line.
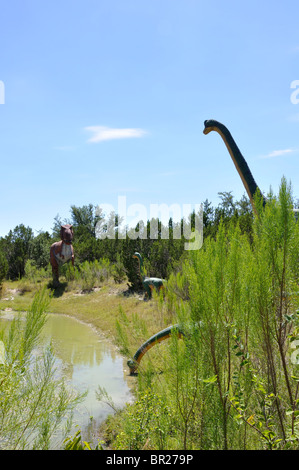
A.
pixel 62 252
pixel 238 159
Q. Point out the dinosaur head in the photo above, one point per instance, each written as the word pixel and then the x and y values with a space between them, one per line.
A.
pixel 66 233
pixel 137 255
pixel 210 125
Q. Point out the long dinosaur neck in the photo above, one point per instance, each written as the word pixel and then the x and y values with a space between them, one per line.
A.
pixel 140 266
pixel 238 159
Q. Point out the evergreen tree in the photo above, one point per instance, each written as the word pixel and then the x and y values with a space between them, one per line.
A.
pixel 16 247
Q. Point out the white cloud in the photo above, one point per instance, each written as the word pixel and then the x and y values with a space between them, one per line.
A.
pixel 101 133
pixel 278 153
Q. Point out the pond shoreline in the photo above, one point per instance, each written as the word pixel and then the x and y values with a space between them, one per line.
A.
pixel 97 363
pixel 112 345
pixel 99 309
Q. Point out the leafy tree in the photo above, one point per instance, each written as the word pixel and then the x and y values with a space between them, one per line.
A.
pixel 40 249
pixel 208 214
pixel 3 268
pixel 226 208
pixel 16 247
pixel 57 225
pixel 85 219
pixel 86 249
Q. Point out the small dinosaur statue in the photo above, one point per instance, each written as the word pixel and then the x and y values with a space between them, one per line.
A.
pixel 62 252
pixel 149 283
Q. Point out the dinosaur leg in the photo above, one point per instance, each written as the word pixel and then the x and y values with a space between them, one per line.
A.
pixel 149 291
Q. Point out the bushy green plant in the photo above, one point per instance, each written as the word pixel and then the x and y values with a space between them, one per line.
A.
pixel 145 424
pixel 88 274
pixel 70 272
pixel 76 443
pixel 118 270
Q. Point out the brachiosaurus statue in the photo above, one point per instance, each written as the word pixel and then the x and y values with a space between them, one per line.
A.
pixel 149 283
pixel 238 159
pixel 62 252
pixel 251 188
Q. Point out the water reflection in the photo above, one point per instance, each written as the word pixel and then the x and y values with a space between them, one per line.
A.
pixel 86 361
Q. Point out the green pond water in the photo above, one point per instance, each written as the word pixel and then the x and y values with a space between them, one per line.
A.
pixel 86 361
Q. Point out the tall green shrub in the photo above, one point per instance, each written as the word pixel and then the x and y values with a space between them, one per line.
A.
pixel 243 300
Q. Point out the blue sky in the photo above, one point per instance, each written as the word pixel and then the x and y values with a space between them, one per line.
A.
pixel 108 98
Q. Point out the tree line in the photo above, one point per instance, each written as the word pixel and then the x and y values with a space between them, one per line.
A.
pixel 161 256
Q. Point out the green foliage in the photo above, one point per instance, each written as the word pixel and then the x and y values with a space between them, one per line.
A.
pixel 121 334
pixel 241 299
pixel 3 269
pixel 138 331
pixel 84 220
pixel 76 443
pixel 183 389
pixel 92 274
pixel 39 249
pixel 88 275
pixel 118 270
pixel 145 424
pixel 16 247
pixel 35 274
